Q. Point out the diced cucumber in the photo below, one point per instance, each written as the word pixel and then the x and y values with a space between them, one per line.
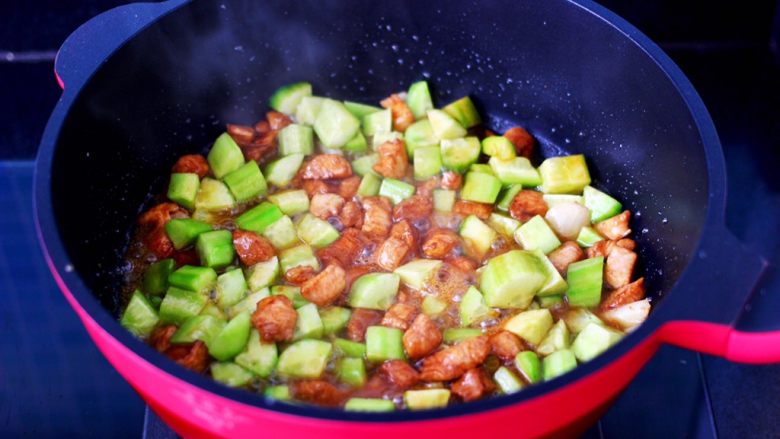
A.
pixel 304 359
pixel 198 279
pixel 515 171
pixel 262 274
pixel 419 135
pixel 457 335
pixel 417 272
pixel 248 304
pixel 383 343
pixel 183 189
pixel 232 339
pixel 369 405
pixel 140 316
pixel 553 200
pixel 225 156
pixel 357 144
pixel 427 162
pixel 499 146
pixel 286 98
pixel 593 340
pixel 377 122
pixel 550 301
pixel 246 182
pixel 316 232
pixel 291 292
pixel 374 291
pixel 555 284
pixel 458 154
pixel 200 327
pixel 215 248
pixel 512 279
pixel 364 165
pixel 334 319
pixel 464 112
pixel 418 99
pixel 179 305
pixel 211 309
pixel 503 224
pixel 507 195
pixel 258 356
pixel 588 237
pixel 279 393
pixel 231 288
pixel 282 233
pixel 555 340
pixel 296 139
pixel 479 187
pixel 380 138
pixel 558 363
pixel 443 200
pixel 184 231
pixel 564 175
pixel 351 371
pixel 291 202
pixel 433 306
pixel 426 399
pixel 472 308
pixel 281 171
pixel 444 126
pixel 396 190
pixel 213 195
pixel 349 348
pixel 507 381
pixel 578 318
pixel 301 255
pixel 478 236
pixel 309 324
pixel 259 217
pixel 308 109
pixel 359 110
pixel 585 282
pixel 529 365
pixel 156 276
pixel 536 234
pixel 335 125
pixel 530 325
pixel 231 374
pixel 601 205
pixel 369 185
pixel 483 168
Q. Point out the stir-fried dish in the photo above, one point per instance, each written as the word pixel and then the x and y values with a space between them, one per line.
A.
pixel 381 258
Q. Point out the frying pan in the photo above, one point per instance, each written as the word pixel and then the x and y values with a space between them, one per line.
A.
pixel 146 83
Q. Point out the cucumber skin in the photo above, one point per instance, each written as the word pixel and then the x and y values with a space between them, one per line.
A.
pixel 464 111
pixel 287 97
pixel 225 156
pixel 479 187
pixel 585 279
pixel 459 154
pixel 183 189
pixel 418 99
pixel 139 316
pixel 558 363
pixel 246 182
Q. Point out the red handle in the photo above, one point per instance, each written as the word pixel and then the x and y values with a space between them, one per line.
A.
pixel 723 341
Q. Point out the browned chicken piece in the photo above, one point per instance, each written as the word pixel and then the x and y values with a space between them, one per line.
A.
pixel 360 320
pixel 192 164
pixel 413 209
pixel 153 232
pixel 300 274
pixel 615 227
pixel 277 121
pixel 399 373
pixel 425 188
pixel 392 252
pixel 242 134
pixel 252 248
pixel 393 160
pixel 326 286
pixel 262 127
pixel 318 392
pixel 422 337
pixel 462 263
pixel 325 166
pixel 343 250
pixel 568 253
pixel 351 215
pixel 451 180
pixel 452 362
pixel 160 338
pixel 466 208
pixel 625 295
pixel 619 267
pixel 257 143
pixel 523 141
pixel 377 219
pixel 473 385
pixel 314 187
pixel 348 187
pixel 527 204
pixel 324 206
pixel 275 318
pixel 439 243
pixel 605 246
pixel 399 316
pixel 157 242
pixel 186 257
pixel 505 345
pixel 193 356
pixel 402 115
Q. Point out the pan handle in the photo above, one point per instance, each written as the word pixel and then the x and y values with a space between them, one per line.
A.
pixel 89 45
pixel 705 319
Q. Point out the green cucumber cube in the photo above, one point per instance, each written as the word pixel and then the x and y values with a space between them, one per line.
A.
pixel 369 185
pixel 433 306
pixel 211 309
pixel 479 187
pixel 184 231
pixel 189 277
pixel 156 276
pixel 456 335
pixel 418 99
pixel 334 319
pixel 472 308
pixel 529 366
pixel 231 374
pixel 499 147
pixel 200 327
pixel 464 112
pixel 419 135
pixel 578 318
pixel 231 288
pixel 443 200
pixel 291 292
pixel 396 190
pixel 213 195
pixel 585 280
pixel 531 325
pixel 308 109
pixel 281 171
pixel 558 363
pixel 507 381
pixel 301 255
pixel 555 284
pixel 282 233
pixel 335 125
pixel 349 348
pixel 536 234
pixel 417 272
pixel 139 317
pixel 558 338
pixel 246 182
pixel 507 195
pixel 383 343
pixel 511 280
pixel 258 356
pixel 601 205
pixel 296 139
pixel 309 324
pixel 215 248
pixel 564 175
pixel 262 274
pixel 316 232
pixel 359 110
pixel 426 399
pixel 458 154
pixel 503 224
pixel 291 202
pixel 183 189
pixel 287 98
pixel 374 291
pixel 377 122
pixel 279 393
pixel 427 162
pixel 357 144
pixel 550 301
pixel 364 165
pixel 248 304
pixel 483 168
pixel 593 340
pixel 304 359
pixel 351 371
pixel 515 171
pixel 478 236
pixel 588 237
pixel 444 126
pixel 232 339
pixel 369 405
pixel 179 305
pixel 225 156
pixel 259 217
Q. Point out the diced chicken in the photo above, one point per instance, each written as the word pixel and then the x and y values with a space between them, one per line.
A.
pixel 348 187
pixel 615 227
pixel 275 318
pixel 415 208
pixel 399 316
pixel 153 232
pixel 399 373
pixel 527 204
pixel 422 337
pixel 628 316
pixel 568 253
pixel 394 250
pixel 523 141
pixel 325 166
pixel 625 295
pixel 324 206
pixel 619 267
pixel 344 250
pixel 241 134
pixel 186 257
pixel 439 243
pixel 451 180
pixel 277 121
pixel 300 274
pixel 377 219
pixel 462 263
pixel 505 345
pixel 326 286
pixel 360 320
pixel 351 215
pixel 252 248
pixel 160 338
pixel 314 187
pixel 604 247
pixel 192 164
pixel 193 356
pixel 426 187
pixel 473 385
pixel 466 208
pixel 318 392
pixel 452 362
pixel 402 115
pixel 157 242
pixel 393 160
